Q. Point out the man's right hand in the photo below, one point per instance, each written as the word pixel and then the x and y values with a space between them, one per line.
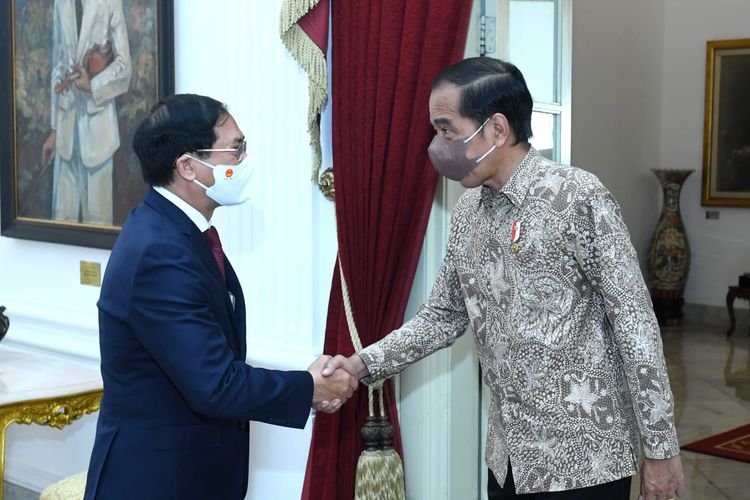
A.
pixel 332 391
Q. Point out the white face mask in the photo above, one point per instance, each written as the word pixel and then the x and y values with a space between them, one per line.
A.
pixel 230 182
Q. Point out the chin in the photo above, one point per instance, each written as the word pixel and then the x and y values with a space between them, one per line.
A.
pixel 470 182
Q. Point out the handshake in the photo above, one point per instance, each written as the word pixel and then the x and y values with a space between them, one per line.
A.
pixel 335 379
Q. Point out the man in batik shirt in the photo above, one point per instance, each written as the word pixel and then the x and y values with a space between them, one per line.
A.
pixel 540 264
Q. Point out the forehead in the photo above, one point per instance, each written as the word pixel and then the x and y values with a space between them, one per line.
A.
pixel 444 102
pixel 227 130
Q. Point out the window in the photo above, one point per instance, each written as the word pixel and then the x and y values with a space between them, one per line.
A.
pixel 535 36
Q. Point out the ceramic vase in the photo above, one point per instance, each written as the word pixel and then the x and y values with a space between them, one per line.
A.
pixel 669 253
pixel 4 322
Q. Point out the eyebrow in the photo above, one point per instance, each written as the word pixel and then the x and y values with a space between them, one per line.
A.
pixel 442 121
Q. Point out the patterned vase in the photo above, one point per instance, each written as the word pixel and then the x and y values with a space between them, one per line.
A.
pixel 669 253
pixel 4 323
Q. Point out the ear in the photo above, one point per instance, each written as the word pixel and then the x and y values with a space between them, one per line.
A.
pixel 184 168
pixel 501 131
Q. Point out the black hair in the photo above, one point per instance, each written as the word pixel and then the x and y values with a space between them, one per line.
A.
pixel 176 125
pixel 490 86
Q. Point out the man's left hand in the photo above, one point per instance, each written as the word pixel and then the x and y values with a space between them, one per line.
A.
pixel 661 479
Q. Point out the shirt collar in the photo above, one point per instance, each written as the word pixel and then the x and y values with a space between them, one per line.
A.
pixel 518 184
pixel 192 213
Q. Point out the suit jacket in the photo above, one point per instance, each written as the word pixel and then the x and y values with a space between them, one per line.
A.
pixel 177 392
pixel 93 113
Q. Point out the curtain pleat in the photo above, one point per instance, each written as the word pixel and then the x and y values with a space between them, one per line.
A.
pixel 384 57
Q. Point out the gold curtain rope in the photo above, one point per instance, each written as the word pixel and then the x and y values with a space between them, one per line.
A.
pixel 357 343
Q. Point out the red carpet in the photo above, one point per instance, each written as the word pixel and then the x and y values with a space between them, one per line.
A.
pixel 733 444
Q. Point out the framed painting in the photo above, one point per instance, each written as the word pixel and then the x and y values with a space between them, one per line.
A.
pixel 726 130
pixel 78 76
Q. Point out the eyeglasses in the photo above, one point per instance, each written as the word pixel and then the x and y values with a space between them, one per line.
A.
pixel 239 151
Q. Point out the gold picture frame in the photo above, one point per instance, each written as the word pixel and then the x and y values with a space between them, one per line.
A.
pixel 726 130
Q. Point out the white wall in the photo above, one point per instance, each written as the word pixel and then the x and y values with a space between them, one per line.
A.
pixel 638 91
pixel 616 101
pixel 282 244
pixel 720 248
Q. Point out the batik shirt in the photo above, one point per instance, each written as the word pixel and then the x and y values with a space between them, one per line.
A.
pixel 546 275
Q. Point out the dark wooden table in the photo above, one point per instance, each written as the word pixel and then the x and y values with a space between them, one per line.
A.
pixel 741 292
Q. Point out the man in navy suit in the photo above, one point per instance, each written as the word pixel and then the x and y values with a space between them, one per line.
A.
pixel 177 391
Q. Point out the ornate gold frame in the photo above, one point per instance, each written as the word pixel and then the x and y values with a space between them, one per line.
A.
pixel 711 195
pixel 53 412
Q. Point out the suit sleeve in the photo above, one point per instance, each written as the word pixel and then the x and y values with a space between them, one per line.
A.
pixel 172 314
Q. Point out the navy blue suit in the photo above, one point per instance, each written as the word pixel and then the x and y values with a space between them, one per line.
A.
pixel 177 392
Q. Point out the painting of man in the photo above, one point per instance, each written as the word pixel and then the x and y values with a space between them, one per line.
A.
pixel 90 67
pixel 81 75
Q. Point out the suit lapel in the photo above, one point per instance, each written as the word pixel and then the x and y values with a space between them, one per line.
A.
pixel 200 247
pixel 238 313
pixel 83 37
pixel 69 28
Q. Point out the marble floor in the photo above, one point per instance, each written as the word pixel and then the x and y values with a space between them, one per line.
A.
pixel 13 492
pixel 710 376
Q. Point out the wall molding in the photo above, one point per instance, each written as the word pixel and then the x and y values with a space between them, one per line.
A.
pixel 74 334
pixel 70 333
pixel 29 477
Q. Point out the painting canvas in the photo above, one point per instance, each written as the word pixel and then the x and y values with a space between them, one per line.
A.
pixel 726 155
pixel 78 76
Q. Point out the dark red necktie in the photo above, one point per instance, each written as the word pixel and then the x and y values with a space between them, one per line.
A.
pixel 212 235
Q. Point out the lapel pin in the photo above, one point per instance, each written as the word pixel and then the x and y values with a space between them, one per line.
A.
pixel 515 234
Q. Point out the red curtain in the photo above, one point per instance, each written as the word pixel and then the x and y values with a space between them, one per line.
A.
pixel 315 24
pixel 384 57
